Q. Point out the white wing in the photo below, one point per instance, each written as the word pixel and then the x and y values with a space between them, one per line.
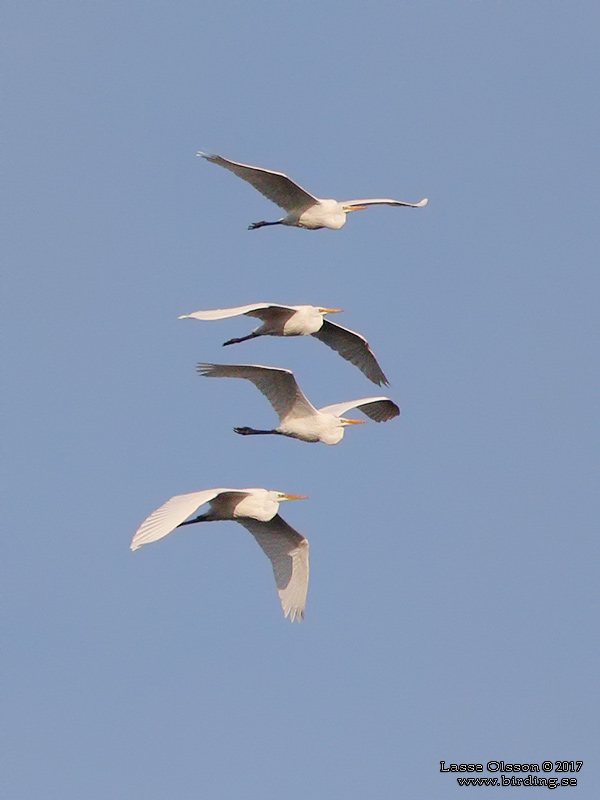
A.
pixel 275 186
pixel 278 385
pixel 353 347
pixel 382 201
pixel 287 551
pixel 254 310
pixel 166 518
pixel 380 409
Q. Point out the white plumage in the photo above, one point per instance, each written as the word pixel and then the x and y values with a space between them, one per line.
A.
pixel 298 418
pixel 280 320
pixel 256 510
pixel 303 209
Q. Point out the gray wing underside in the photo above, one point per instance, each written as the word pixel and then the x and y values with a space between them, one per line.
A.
pixel 287 550
pixel 278 386
pixel 382 201
pixel 272 313
pixel 353 347
pixel 166 518
pixel 379 409
pixel 261 310
pixel 275 186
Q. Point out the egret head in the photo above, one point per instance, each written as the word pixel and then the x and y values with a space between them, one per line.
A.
pixel 281 496
pixel 330 310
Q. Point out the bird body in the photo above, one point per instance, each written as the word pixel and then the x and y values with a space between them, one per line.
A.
pixel 298 418
pixel 323 214
pixel 255 509
pixel 304 320
pixel 277 319
pixel 319 427
pixel 304 210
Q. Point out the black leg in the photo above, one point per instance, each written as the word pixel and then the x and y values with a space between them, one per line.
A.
pixel 256 225
pixel 201 518
pixel 251 431
pixel 241 339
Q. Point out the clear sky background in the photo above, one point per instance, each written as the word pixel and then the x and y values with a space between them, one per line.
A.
pixel 452 611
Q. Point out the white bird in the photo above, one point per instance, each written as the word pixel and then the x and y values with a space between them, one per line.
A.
pixel 256 510
pixel 303 210
pixel 298 418
pixel 279 320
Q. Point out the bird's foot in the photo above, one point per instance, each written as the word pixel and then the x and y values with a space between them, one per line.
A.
pixel 245 431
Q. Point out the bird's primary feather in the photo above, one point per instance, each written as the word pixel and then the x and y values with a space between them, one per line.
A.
pixel 379 409
pixel 278 385
pixel 166 518
pixel 287 551
pixel 275 186
pixel 353 347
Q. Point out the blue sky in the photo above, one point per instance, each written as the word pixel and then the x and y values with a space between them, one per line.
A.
pixel 452 611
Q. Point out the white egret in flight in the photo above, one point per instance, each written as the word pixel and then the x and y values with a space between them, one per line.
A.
pixel 298 418
pixel 256 510
pixel 278 320
pixel 303 210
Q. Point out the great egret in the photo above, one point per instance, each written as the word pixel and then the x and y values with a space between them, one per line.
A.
pixel 256 510
pixel 298 418
pixel 278 320
pixel 303 210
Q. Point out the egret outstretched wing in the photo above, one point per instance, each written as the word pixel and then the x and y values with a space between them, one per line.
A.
pixel 273 314
pixel 278 385
pixel 382 202
pixel 259 310
pixel 380 409
pixel 275 186
pixel 353 347
pixel 304 210
pixel 166 518
pixel 287 551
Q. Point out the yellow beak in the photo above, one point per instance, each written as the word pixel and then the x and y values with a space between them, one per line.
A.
pixel 355 421
pixel 295 497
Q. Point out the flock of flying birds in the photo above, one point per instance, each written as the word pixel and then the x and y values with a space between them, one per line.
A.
pixel 257 509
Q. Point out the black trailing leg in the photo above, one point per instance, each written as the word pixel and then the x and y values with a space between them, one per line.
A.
pixel 256 225
pixel 251 431
pixel 201 518
pixel 242 339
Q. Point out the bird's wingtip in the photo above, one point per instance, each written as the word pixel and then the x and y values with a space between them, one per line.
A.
pixel 423 202
pixel 184 316
pixel 294 614
pixel 209 156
